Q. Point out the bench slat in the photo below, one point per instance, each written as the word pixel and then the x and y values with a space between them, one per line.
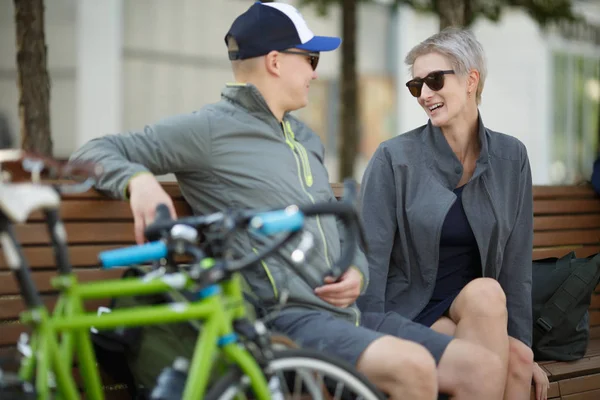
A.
pixel 565 370
pixel 79 233
pixel 101 210
pixel 564 192
pixel 43 257
pixel 594 318
pixel 595 302
pixel 579 384
pixel 10 307
pixel 559 251
pixel 42 279
pixel 172 189
pixel 553 391
pixel 556 222
pixel 592 395
pixel 9 333
pixel 559 238
pixel 579 206
pixel 539 191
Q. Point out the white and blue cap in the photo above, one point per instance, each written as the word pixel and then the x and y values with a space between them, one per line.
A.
pixel 265 27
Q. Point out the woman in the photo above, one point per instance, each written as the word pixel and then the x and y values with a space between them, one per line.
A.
pixel 448 213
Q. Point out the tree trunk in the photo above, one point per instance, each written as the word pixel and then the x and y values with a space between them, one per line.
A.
pixel 33 80
pixel 454 13
pixel 350 118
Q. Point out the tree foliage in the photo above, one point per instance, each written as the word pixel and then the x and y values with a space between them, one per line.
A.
pixel 462 13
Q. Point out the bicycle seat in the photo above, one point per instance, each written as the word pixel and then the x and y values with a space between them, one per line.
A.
pixel 20 166
pixel 19 200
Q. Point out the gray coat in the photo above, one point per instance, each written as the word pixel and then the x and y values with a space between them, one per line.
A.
pixel 406 194
pixel 235 153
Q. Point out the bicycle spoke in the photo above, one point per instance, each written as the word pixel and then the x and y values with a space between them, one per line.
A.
pixel 283 382
pixel 297 386
pixel 339 390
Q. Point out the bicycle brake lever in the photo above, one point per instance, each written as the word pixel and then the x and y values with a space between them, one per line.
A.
pixel 299 256
pixel 306 244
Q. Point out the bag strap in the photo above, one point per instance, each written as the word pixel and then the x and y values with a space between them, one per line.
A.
pixel 570 293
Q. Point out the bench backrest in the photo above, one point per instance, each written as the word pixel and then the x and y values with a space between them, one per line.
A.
pixel 565 218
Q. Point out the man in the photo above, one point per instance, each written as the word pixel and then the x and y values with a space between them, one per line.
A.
pixel 246 150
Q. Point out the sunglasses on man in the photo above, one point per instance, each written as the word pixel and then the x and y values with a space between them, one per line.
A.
pixel 434 81
pixel 313 57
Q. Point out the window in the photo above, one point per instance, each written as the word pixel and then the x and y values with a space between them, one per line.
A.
pixel 576 104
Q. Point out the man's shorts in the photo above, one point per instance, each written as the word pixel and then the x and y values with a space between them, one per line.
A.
pixel 322 331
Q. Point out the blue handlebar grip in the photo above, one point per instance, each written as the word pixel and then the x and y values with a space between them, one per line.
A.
pixel 133 255
pixel 272 222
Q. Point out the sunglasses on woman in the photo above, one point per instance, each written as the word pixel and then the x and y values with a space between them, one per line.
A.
pixel 434 81
pixel 313 58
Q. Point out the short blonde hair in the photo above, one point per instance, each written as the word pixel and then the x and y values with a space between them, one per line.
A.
pixel 462 49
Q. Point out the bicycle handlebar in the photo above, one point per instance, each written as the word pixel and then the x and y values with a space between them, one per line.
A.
pixel 134 254
pixel 289 220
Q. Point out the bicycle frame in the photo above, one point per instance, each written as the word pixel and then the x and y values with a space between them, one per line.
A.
pixel 218 306
pixel 58 336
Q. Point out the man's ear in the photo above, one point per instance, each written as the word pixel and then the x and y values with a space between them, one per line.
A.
pixel 273 63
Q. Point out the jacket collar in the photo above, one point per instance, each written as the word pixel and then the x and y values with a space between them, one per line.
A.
pixel 444 162
pixel 249 97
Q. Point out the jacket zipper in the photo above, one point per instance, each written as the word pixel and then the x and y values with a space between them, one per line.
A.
pixel 269 275
pixel 304 170
pixel 308 177
pixel 308 180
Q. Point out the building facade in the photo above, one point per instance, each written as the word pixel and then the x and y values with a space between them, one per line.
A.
pixel 117 65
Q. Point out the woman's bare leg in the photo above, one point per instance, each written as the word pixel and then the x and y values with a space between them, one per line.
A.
pixel 519 358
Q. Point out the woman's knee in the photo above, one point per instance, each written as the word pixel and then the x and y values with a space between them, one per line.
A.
pixel 520 362
pixel 480 297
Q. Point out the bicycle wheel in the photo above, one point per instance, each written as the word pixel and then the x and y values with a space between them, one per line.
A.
pixel 301 374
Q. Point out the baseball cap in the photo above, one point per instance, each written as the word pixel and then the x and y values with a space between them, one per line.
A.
pixel 265 27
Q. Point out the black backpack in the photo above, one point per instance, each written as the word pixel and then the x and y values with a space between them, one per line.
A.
pixel 561 294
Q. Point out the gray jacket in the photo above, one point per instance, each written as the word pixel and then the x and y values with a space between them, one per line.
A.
pixel 406 194
pixel 235 153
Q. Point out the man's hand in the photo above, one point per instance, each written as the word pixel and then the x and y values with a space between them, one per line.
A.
pixel 145 193
pixel 344 292
pixel 542 384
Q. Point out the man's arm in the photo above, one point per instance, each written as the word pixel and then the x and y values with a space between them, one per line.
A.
pixel 515 274
pixel 378 194
pixel 175 144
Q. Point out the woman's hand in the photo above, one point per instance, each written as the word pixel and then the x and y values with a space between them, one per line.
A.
pixel 540 379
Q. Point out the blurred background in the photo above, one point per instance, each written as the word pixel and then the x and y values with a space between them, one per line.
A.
pixel 117 65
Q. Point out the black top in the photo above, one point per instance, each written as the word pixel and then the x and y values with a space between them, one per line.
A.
pixel 459 262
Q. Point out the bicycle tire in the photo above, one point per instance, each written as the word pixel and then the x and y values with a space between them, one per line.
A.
pixel 230 384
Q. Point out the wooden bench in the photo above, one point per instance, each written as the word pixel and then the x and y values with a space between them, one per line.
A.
pixel 566 218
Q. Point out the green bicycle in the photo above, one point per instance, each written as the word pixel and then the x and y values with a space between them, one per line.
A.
pixel 209 290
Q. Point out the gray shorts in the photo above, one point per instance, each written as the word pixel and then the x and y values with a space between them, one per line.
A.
pixel 320 330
